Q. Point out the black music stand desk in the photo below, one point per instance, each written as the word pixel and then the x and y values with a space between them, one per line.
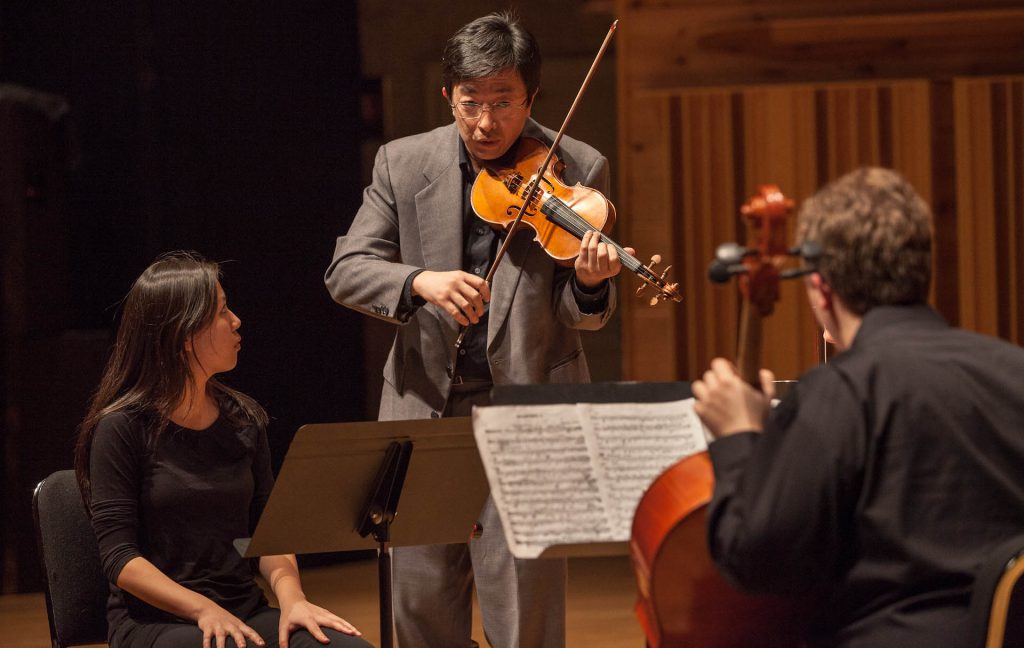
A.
pixel 342 478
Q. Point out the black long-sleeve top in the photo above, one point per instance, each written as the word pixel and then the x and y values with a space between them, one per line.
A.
pixel 880 483
pixel 179 502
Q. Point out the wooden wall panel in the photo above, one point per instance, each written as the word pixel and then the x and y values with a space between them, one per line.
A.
pixel 852 126
pixel 779 145
pixel 716 146
pixel 674 43
pixel 976 221
pixel 990 217
pixel 648 334
pixel 798 92
pixel 1010 196
pixel 704 174
pixel 911 134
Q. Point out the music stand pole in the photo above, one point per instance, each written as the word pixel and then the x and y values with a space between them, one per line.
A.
pixel 380 510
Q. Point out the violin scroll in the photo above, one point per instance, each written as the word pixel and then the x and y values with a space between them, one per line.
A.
pixel 663 289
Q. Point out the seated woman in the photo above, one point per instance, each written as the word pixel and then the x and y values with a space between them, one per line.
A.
pixel 174 466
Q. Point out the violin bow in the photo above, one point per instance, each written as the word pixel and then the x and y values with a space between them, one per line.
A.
pixel 533 188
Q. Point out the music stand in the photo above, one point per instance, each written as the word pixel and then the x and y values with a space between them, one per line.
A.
pixel 340 485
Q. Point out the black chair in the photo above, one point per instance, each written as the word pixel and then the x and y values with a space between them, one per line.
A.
pixel 997 602
pixel 76 589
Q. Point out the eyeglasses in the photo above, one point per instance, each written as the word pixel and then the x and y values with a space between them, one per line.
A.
pixel 471 110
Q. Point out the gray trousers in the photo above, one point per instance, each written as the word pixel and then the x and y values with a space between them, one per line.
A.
pixel 522 602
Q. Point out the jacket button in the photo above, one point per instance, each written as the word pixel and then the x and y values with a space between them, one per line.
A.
pixel 435 415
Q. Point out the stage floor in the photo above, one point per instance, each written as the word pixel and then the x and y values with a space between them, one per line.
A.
pixel 599 608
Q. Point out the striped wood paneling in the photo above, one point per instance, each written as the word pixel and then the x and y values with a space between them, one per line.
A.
pixel 692 157
pixel 989 144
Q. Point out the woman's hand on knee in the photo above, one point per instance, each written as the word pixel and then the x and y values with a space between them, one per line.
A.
pixel 305 615
pixel 218 624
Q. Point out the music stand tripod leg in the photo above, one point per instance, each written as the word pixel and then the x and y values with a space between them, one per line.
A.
pixel 380 510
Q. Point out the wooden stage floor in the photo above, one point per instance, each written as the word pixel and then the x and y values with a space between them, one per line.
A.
pixel 599 607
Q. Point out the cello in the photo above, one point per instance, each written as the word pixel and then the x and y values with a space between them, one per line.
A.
pixel 682 599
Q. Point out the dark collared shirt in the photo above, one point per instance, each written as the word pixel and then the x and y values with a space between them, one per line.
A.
pixel 480 246
pixel 883 479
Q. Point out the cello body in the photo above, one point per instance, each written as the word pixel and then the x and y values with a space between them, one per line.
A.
pixel 683 600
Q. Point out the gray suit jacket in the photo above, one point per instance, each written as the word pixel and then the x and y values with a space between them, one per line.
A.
pixel 412 218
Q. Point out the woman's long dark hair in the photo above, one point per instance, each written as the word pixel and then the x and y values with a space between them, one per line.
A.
pixel 148 370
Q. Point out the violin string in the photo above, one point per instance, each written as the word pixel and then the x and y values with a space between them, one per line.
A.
pixel 563 215
pixel 566 217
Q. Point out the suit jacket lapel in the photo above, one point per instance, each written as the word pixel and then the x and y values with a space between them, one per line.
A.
pixel 506 279
pixel 439 208
pixel 439 217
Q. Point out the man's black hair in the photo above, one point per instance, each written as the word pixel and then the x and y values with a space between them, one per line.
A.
pixel 488 45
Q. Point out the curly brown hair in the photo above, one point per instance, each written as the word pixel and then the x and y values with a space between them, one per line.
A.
pixel 875 234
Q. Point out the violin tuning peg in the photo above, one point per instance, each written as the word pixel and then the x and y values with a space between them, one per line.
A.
pixel 665 273
pixel 653 301
pixel 640 290
pixel 655 259
pixel 672 290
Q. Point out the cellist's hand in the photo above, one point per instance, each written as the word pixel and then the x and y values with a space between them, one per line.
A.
pixel 460 294
pixel 727 404
pixel 597 261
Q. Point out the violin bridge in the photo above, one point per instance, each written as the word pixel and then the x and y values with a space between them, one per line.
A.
pixel 513 181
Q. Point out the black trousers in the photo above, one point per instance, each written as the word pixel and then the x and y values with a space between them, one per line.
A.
pixel 182 635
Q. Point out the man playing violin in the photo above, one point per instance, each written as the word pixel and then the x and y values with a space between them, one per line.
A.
pixel 416 255
pixel 886 477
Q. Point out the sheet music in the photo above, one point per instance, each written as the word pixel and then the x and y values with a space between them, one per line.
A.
pixel 574 473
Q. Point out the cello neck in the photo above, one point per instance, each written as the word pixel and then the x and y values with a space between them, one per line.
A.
pixel 748 353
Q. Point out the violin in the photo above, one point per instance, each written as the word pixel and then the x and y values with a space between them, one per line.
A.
pixel 558 214
pixel 683 599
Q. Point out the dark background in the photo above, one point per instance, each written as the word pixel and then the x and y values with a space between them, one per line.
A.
pixel 128 128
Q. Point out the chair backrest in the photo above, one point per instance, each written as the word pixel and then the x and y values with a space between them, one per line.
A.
pixel 997 602
pixel 76 589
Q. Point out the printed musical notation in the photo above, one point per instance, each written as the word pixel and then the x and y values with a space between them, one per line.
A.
pixel 574 473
